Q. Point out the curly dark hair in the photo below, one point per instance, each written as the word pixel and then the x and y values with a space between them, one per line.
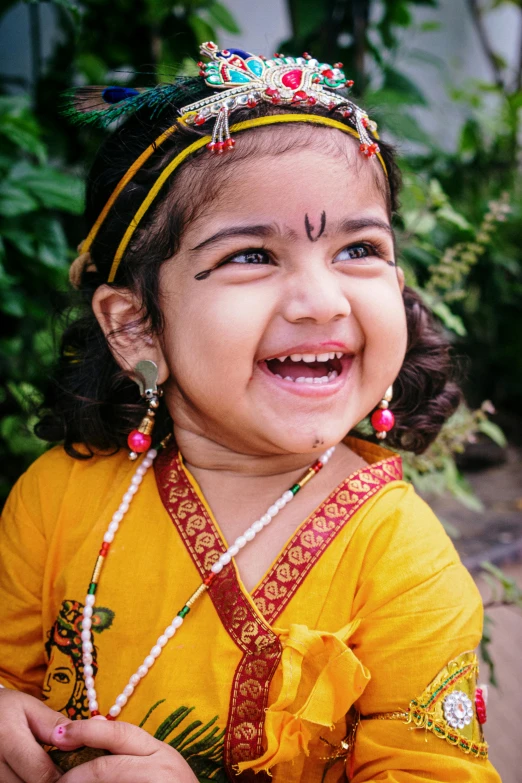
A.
pixel 89 399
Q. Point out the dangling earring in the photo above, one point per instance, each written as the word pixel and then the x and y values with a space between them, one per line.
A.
pixel 383 419
pixel 147 379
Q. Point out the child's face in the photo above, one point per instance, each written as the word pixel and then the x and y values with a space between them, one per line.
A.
pixel 308 243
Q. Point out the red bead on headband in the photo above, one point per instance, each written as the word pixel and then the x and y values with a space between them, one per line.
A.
pixel 241 81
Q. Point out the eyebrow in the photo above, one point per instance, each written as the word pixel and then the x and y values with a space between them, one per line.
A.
pixel 346 226
pixel 351 225
pixel 260 231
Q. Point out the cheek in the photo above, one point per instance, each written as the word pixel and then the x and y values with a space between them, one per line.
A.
pixel 211 341
pixel 382 318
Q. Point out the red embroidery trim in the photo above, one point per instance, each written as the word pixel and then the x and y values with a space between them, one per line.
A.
pixel 311 539
pixel 260 646
pixel 250 632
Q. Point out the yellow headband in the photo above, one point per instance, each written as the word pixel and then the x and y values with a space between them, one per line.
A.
pixel 272 119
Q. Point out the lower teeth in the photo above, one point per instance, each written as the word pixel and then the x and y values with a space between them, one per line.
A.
pixel 325 378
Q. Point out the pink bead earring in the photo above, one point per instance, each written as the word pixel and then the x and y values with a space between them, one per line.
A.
pixel 139 440
pixel 383 419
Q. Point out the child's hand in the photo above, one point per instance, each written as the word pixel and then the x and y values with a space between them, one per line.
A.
pixel 22 719
pixel 137 757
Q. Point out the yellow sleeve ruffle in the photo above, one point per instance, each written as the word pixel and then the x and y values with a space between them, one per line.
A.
pixel 320 678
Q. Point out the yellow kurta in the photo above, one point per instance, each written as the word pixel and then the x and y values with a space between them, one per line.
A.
pixel 360 612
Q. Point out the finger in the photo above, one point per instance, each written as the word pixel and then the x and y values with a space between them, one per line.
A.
pixel 8 776
pixel 28 760
pixel 43 721
pixel 108 769
pixel 116 736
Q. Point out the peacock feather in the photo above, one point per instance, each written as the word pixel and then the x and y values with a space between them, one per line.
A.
pixel 201 745
pixel 103 104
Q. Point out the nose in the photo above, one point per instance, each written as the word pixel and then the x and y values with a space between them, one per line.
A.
pixel 315 293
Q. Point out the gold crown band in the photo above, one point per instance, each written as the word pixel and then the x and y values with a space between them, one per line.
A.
pixel 272 119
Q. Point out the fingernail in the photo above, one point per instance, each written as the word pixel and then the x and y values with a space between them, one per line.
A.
pixel 59 732
pixel 99 717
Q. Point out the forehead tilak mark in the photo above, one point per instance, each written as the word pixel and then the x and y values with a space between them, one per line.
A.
pixel 310 229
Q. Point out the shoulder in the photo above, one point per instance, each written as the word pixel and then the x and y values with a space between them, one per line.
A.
pixel 55 479
pixel 404 554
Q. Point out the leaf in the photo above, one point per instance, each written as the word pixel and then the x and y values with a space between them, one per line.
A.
pixel 493 432
pixel 24 134
pixel 448 214
pixel 394 80
pixel 419 222
pixel 470 137
pixel 54 189
pixel 92 67
pixel 26 395
pixel 405 126
pixel 430 26
pixel 16 430
pixel 308 17
pixel 484 649
pixel 451 321
pixel 22 239
pixel 222 17
pixel 201 29
pixel 51 243
pixel 15 200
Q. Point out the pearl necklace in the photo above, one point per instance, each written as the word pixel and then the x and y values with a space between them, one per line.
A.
pixel 248 535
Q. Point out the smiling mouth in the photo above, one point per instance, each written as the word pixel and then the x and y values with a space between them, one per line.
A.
pixel 314 369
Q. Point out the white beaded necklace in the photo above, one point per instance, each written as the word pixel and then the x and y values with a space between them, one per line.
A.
pixel 248 535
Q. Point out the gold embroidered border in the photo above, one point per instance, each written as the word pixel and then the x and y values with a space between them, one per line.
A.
pixel 313 537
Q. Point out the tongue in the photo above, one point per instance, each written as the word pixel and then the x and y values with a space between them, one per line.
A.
pixel 290 369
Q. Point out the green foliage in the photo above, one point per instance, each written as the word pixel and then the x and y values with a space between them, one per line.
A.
pixel 435 470
pixel 34 258
pixel 504 592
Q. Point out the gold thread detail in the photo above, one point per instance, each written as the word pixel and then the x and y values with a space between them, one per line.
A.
pixel 97 568
pixel 194 597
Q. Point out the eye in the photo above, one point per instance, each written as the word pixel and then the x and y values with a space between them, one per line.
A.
pixel 61 677
pixel 254 256
pixel 355 252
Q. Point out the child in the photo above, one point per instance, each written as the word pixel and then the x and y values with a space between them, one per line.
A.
pixel 269 598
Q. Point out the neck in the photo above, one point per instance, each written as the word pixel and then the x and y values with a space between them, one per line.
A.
pixel 203 456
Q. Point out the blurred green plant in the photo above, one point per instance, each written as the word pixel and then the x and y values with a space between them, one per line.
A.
pixel 35 196
pixel 504 591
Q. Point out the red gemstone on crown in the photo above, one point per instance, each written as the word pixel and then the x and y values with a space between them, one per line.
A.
pixel 311 100
pixel 350 83
pixel 220 146
pixel 200 119
pixel 300 95
pixel 211 146
pixel 251 102
pixel 271 91
pixel 338 65
pixel 328 73
pixel 292 79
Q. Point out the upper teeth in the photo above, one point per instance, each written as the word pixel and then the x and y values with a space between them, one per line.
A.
pixel 310 357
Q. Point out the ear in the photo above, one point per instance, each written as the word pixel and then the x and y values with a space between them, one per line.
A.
pixel 120 315
pixel 400 278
